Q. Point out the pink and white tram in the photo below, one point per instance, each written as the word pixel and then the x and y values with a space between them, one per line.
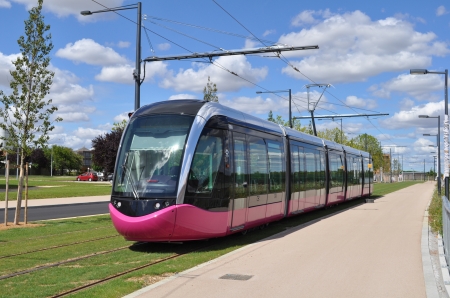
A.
pixel 190 169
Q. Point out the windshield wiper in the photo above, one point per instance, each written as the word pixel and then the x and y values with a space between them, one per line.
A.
pixel 124 171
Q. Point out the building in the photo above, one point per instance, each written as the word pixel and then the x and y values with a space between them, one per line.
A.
pixel 87 157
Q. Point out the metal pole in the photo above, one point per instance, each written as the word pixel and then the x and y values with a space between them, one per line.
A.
pixel 390 162
pixel 424 169
pixel 51 164
pixel 446 136
pixel 137 74
pixel 290 109
pixel 341 130
pixel 313 123
pixel 439 154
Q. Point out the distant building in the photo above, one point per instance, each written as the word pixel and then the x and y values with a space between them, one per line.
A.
pixel 87 157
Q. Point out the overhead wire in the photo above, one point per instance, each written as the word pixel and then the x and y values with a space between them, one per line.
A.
pixel 218 64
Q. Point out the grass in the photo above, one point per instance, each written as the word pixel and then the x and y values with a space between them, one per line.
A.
pixel 44 187
pixel 381 189
pixel 435 213
pixel 54 280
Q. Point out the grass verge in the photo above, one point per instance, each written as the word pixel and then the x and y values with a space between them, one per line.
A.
pixel 435 213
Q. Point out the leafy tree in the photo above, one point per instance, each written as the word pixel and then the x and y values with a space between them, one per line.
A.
pixel 39 159
pixel 25 112
pixel 120 125
pixel 210 92
pixel 369 144
pixel 270 117
pixel 64 158
pixel 105 149
pixel 334 134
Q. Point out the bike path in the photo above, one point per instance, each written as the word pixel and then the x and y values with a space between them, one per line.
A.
pixel 371 250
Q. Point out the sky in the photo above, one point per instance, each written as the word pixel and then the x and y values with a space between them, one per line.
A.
pixel 366 50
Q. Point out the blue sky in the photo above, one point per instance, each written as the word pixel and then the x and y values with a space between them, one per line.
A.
pixel 365 51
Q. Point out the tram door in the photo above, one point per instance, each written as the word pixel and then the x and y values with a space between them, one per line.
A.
pixel 240 174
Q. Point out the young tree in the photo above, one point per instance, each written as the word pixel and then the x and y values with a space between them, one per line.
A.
pixel 210 92
pixel 25 112
pixel 105 149
pixel 65 158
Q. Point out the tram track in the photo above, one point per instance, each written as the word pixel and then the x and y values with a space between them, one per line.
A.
pixel 117 275
pixel 56 264
pixel 58 246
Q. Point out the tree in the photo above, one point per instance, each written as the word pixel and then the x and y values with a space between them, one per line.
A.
pixel 64 158
pixel 105 149
pixel 39 159
pixel 369 144
pixel 120 125
pixel 25 112
pixel 210 92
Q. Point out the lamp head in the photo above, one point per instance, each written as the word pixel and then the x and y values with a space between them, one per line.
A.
pixel 86 12
pixel 258 92
pixel 426 135
pixel 424 116
pixel 418 71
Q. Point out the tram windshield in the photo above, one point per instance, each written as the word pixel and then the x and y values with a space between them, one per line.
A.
pixel 150 157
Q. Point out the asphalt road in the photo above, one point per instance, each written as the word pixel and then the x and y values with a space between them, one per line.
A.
pixel 57 211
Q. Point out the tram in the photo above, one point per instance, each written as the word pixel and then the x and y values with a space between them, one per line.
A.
pixel 191 169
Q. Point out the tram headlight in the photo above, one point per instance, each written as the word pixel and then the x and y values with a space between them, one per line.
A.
pixel 157 206
pixel 166 203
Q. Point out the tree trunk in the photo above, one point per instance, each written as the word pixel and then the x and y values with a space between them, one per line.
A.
pixel 19 192
pixel 25 216
pixel 6 190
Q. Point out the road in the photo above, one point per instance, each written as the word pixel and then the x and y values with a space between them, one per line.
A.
pixel 58 211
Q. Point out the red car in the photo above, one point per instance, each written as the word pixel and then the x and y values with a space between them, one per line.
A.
pixel 87 177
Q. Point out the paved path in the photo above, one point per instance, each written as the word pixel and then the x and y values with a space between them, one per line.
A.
pixel 372 250
pixel 58 201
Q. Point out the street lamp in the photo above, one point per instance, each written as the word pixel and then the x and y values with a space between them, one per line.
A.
pixel 137 71
pixel 341 126
pixel 438 141
pixel 290 100
pixel 423 72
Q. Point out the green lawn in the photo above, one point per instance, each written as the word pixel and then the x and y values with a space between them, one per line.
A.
pixel 44 187
pixel 380 189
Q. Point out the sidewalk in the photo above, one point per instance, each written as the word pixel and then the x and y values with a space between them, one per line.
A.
pixel 58 201
pixel 372 250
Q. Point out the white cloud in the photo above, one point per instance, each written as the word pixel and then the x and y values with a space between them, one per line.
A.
pixel 420 87
pixel 123 44
pixel 406 104
pixel 90 52
pixel 195 78
pixel 124 73
pixel 73 7
pixel 74 117
pixel 65 89
pixel 88 133
pixel 5 4
pixel 440 11
pixel 353 47
pixel 357 102
pixel 5 66
pixel 164 46
pixel 268 32
pixel 119 118
pixel 305 17
pixel 410 118
pixel 184 96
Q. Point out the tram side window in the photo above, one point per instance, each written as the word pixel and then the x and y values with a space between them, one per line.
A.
pixel 240 167
pixel 295 169
pixel 276 166
pixel 258 166
pixel 336 170
pixel 205 174
pixel 311 169
pixel 321 175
